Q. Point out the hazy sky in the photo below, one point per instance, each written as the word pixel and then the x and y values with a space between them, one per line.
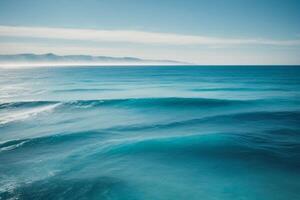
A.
pixel 199 31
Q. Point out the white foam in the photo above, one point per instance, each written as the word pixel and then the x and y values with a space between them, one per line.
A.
pixel 11 147
pixel 25 114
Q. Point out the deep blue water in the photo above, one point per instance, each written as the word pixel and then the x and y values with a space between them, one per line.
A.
pixel 150 133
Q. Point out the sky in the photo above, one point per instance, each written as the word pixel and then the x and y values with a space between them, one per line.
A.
pixel 197 31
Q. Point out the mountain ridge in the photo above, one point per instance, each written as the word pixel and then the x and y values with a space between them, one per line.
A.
pixel 52 58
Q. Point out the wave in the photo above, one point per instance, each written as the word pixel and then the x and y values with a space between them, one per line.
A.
pixel 11 145
pixel 232 89
pixel 144 102
pixel 87 90
pixel 24 114
pixel 25 104
pixel 50 140
pixel 235 118
pixel 283 143
pixel 18 111
pixel 210 145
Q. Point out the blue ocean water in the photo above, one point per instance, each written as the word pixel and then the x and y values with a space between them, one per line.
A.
pixel 178 132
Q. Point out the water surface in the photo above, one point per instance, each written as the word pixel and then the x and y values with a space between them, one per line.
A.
pixel 221 132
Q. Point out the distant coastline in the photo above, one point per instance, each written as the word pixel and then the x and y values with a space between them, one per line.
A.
pixel 51 59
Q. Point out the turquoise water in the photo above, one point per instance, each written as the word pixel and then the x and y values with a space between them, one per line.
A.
pixel 150 133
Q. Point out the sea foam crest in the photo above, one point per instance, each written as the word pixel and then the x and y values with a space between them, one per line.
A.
pixel 25 114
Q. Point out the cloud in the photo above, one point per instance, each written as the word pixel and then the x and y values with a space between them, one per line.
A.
pixel 131 36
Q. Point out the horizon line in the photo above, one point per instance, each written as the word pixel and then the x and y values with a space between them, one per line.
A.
pixel 46 65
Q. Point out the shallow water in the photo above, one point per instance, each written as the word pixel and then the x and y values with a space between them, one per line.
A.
pixel 150 133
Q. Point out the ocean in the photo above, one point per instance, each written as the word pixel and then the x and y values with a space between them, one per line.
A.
pixel 150 132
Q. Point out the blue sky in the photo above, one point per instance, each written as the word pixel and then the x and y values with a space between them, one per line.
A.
pixel 199 31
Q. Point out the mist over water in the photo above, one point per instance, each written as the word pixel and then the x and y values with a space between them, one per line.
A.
pixel 176 132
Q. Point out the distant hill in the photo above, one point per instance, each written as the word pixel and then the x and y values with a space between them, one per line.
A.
pixel 51 58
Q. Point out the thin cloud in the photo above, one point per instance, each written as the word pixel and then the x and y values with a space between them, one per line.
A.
pixel 131 36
